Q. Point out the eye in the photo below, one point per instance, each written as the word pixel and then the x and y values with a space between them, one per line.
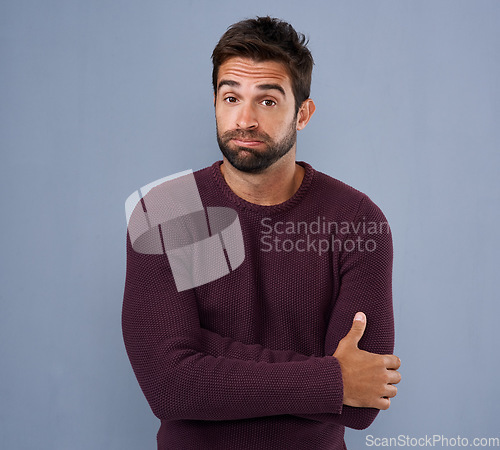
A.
pixel 230 99
pixel 269 102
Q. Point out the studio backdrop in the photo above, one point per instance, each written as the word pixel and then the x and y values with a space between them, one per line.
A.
pixel 99 98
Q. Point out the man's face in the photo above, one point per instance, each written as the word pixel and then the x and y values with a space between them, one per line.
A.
pixel 255 113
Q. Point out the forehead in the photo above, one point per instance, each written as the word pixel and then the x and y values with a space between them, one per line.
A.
pixel 248 71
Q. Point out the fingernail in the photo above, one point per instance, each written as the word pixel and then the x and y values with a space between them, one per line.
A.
pixel 359 316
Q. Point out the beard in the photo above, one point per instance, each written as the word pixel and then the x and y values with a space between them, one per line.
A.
pixel 255 161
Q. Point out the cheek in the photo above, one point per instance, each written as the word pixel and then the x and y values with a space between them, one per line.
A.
pixel 223 119
pixel 283 127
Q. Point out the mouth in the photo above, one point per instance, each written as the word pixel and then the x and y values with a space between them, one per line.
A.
pixel 246 143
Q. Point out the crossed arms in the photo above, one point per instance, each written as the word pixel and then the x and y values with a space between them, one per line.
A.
pixel 188 372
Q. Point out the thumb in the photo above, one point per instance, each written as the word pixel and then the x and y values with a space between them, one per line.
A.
pixel 357 329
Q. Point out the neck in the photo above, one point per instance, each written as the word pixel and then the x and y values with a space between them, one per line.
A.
pixel 273 186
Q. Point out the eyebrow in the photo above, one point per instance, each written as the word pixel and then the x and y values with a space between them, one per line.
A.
pixel 262 87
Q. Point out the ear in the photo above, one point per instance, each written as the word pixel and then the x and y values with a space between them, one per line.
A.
pixel 214 98
pixel 305 113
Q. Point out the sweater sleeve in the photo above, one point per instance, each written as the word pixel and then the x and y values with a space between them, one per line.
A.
pixel 181 380
pixel 217 345
pixel 365 284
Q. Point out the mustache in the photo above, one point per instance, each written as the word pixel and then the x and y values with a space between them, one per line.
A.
pixel 246 135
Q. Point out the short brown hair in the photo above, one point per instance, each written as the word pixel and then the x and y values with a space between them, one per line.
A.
pixel 268 39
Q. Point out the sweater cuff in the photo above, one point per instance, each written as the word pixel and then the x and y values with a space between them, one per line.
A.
pixel 335 383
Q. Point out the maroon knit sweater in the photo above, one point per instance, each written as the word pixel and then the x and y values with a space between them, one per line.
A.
pixel 244 362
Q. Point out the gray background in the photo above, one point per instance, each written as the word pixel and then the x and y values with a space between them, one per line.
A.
pixel 99 98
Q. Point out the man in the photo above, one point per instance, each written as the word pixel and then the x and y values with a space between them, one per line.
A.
pixel 267 356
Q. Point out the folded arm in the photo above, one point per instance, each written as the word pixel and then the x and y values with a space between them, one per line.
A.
pixel 182 371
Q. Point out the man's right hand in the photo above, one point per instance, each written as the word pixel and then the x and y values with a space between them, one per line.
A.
pixel 368 378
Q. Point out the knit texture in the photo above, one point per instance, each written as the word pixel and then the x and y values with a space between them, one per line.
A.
pixel 244 362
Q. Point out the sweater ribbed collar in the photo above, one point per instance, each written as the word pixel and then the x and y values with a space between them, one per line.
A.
pixel 272 209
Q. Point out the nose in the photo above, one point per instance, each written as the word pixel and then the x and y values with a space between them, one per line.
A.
pixel 247 118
